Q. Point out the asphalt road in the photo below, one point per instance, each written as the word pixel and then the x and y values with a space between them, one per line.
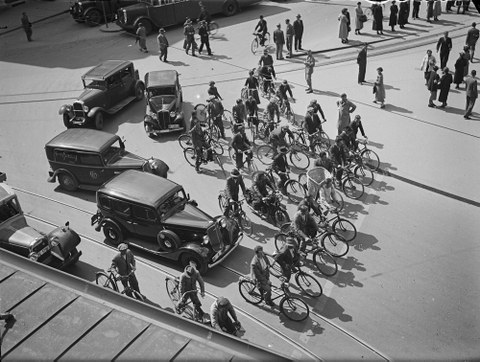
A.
pixel 408 289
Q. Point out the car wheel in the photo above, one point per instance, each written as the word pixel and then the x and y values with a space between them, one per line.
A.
pixel 195 260
pixel 93 17
pixel 148 130
pixel 113 233
pixel 168 241
pixel 99 120
pixel 139 91
pixel 230 8
pixel 66 120
pixel 67 181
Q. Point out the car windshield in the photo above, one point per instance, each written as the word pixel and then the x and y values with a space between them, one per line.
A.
pixel 172 203
pixel 94 83
pixel 163 91
pixel 113 153
pixel 9 209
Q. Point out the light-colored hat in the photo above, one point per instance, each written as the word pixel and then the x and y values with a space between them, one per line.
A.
pixel 235 173
pixel 162 30
pixel 122 247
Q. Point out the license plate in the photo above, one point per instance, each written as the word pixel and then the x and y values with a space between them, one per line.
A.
pixel 174 126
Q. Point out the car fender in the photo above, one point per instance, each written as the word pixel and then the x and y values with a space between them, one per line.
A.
pixel 53 176
pixel 139 83
pixel 142 18
pixel 94 110
pixel 148 120
pixel 197 249
pixel 64 109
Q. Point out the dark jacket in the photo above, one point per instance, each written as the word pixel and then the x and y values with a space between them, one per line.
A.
pixel 338 154
pixel 233 187
pixel 123 265
pixel 260 182
pixel 298 27
pixel 278 37
pixel 240 142
pixel 433 81
pixel 258 273
pixel 261 26
pixel 444 45
pixel 471 87
pixel 188 282
pixel 444 87
pixel 280 163
pixel 312 123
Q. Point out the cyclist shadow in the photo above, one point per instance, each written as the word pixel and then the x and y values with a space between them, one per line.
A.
pixel 218 173
pixel 308 327
pixel 364 242
pixel 331 310
pixel 380 186
pixel 351 211
pixel 353 263
pixel 262 233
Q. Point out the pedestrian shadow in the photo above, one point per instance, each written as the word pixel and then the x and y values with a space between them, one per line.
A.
pixel 452 110
pixel 217 57
pixel 177 63
pixel 392 108
pixel 351 263
pixel 364 242
pixel 391 87
pixel 332 310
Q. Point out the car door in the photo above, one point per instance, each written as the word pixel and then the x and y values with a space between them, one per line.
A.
pixel 147 223
pixel 128 81
pixel 123 214
pixel 115 91
pixel 185 9
pixel 91 170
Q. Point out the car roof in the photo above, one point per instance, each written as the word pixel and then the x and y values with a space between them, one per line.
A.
pixel 106 69
pixel 5 191
pixel 140 187
pixel 83 139
pixel 161 78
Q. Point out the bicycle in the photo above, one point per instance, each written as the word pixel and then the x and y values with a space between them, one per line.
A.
pixel 338 203
pixel 203 116
pixel 352 187
pixel 266 125
pixel 185 141
pixel 298 158
pixel 236 212
pixel 111 281
pixel 364 174
pixel 190 155
pixel 295 191
pixel 306 282
pixel 292 307
pixel 369 157
pixel 323 260
pixel 321 141
pixel 257 40
pixel 249 161
pixel 173 291
pixel 286 110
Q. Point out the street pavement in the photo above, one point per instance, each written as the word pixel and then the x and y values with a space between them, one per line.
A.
pixel 409 286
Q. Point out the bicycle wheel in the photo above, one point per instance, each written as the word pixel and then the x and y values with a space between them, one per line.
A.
pixel 280 240
pixel 227 119
pixel 302 178
pixel 250 292
pixel 254 46
pixel 173 290
pixel 275 268
pixel 267 39
pixel 345 229
pixel 299 159
pixel 334 244
pixel 190 156
pixel 281 217
pixel 222 201
pixel 365 175
pixel 295 191
pixel 265 154
pixel 308 284
pixel 337 201
pixel 261 130
pixel 201 110
pixel 353 188
pixel 185 141
pixel 216 147
pixel 105 281
pixel 294 308
pixel 325 262
pixel 134 294
pixel 212 28
pixel 246 223
pixel 370 159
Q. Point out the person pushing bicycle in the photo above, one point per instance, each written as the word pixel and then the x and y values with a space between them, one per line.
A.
pixel 223 316
pixel 215 112
pixel 199 142
pixel 123 267
pixel 282 93
pixel 188 286
pixel 304 226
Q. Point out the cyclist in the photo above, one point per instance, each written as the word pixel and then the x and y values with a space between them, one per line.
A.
pixel 239 113
pixel 312 127
pixel 261 28
pixel 193 119
pixel 215 113
pixel 355 126
pixel 123 267
pixel 266 74
pixel 327 194
pixel 252 86
pixel 324 161
pixel 282 93
pixel 213 91
pixel 260 193
pixel 304 226
pixel 288 257
pixel 277 137
pixel 260 273
pixel 188 283
pixel 339 155
pixel 241 145
pixel 234 184
pixel 317 108
pixel 266 60
pixel 252 111
pixel 223 316
pixel 280 166
pixel 199 142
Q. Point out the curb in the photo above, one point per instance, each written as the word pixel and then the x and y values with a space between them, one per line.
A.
pixel 37 21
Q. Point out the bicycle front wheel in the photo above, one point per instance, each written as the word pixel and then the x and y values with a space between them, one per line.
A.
pixel 325 262
pixel 345 229
pixel 216 147
pixel 190 156
pixel 201 111
pixel 246 224
pixel 295 191
pixel 105 281
pixel 185 141
pixel 335 244
pixel 280 241
pixel 299 159
pixel 294 308
pixel 308 284
pixel 250 292
pixel 134 294
pixel 365 175
pixel 370 159
pixel 173 290
pixel 353 188
pixel 213 28
pixel 222 202
pixel 254 46
pixel 265 154
pixel 227 119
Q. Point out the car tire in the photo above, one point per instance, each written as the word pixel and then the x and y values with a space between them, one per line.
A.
pixel 230 7
pixel 113 233
pixel 67 181
pixel 139 92
pixel 93 17
pixel 168 241
pixel 189 257
pixel 148 130
pixel 99 121
pixel 66 120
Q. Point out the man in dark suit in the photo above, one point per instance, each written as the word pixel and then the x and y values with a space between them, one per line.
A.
pixel 279 40
pixel 471 92
pixel 262 29
pixel 298 28
pixel 472 38
pixel 232 188
pixel 444 45
pixel 362 64
pixel 259 272
pixel 123 265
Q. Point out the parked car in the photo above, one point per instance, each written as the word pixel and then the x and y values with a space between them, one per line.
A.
pixel 156 215
pixel 57 249
pixel 164 103
pixel 109 87
pixel 94 12
pixel 86 158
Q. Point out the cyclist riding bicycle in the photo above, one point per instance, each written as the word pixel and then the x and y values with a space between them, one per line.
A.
pixel 252 111
pixel 123 267
pixel 313 126
pixel 188 283
pixel 215 112
pixel 252 86
pixel 241 145
pixel 223 316
pixel 272 110
pixel 277 137
pixel 266 74
pixel 239 114
pixel 339 155
pixel 304 226
pixel 282 93
pixel 232 188
pixel 288 257
pixel 266 60
pixel 260 192
pixel 280 167
pixel 213 91
pixel 200 143
pixel 317 108
pixel 261 28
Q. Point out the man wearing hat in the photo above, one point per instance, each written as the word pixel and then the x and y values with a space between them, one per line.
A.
pixel 223 316
pixel 304 225
pixel 472 37
pixel 290 32
pixel 188 283
pixel 259 272
pixel 338 153
pixel 204 37
pixel 215 112
pixel 266 60
pixel 162 45
pixel 241 145
pixel 288 257
pixel 123 266
pixel 142 38
pixel 279 40
pixel 189 32
pixel 261 28
pixel 282 93
pixel 298 28
pixel 345 107
pixel 313 126
pixel 280 166
pixel 199 142
pixel 232 188
pixel 213 91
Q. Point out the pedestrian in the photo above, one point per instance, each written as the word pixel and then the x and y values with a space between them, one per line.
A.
pixel 359 15
pixel 403 14
pixel 377 24
pixel 344 27
pixel 345 107
pixel 472 37
pixel 430 4
pixel 444 46
pixel 449 6
pixel 279 40
pixel 298 29
pixel 468 57
pixel 416 8
pixel 471 93
pixel 204 37
pixel 444 86
pixel 459 70
pixel 189 32
pixel 162 45
pixel 261 29
pixel 27 26
pixel 393 15
pixel 432 86
pixel 289 32
pixel 260 274
pixel 309 65
pixel 213 91
pixel 123 266
pixel 428 62
pixel 437 9
pixel 379 88
pixel 362 63
pixel 142 38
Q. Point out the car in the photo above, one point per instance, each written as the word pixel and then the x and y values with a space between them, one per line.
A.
pixel 57 249
pixel 86 158
pixel 155 215
pixel 108 87
pixel 94 12
pixel 164 103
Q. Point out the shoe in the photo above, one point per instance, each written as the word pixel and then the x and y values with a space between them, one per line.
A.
pixel 270 303
pixel 310 91
pixel 443 105
pixel 382 106
pixel 374 101
pixel 186 51
pixel 432 105
pixel 466 117
pixel 193 55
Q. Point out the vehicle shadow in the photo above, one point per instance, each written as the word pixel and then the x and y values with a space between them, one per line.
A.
pixel 81 194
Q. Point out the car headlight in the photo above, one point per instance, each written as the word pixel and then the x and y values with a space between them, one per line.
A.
pixel 172 114
pixel 223 222
pixel 206 240
pixel 85 108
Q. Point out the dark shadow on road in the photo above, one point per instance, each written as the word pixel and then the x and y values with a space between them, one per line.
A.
pixel 333 310
pixel 178 63
pixel 351 263
pixel 364 242
pixel 393 108
pixel 345 279
pixel 391 87
pixel 81 194
pixel 451 110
